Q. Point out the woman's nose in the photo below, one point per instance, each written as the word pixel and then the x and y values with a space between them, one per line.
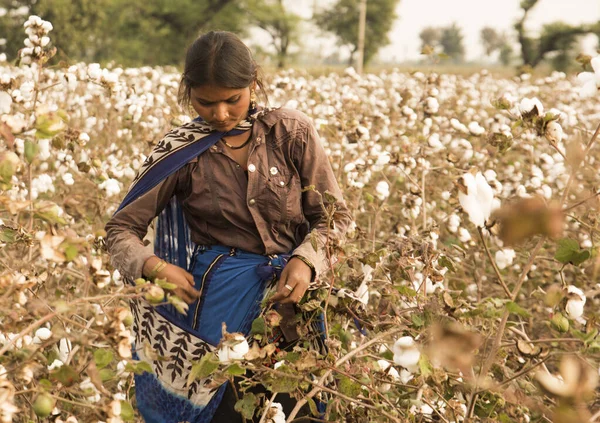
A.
pixel 220 112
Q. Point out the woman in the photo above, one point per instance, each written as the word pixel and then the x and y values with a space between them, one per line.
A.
pixel 230 184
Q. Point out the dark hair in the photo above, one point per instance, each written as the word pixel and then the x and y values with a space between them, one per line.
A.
pixel 218 58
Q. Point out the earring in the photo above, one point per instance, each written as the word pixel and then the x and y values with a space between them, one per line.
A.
pixel 252 100
pixel 192 111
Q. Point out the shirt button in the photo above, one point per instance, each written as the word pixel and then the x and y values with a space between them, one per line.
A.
pixel 214 148
pixel 273 170
pixel 281 183
pixel 251 168
pixel 252 201
pixel 258 139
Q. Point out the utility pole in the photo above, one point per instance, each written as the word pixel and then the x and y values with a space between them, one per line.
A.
pixel 362 18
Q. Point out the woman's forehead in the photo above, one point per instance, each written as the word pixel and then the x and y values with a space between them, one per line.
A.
pixel 215 92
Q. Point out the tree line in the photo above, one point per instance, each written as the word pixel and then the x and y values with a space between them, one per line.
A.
pixel 156 32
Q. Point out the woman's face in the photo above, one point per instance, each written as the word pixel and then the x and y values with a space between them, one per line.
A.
pixel 222 108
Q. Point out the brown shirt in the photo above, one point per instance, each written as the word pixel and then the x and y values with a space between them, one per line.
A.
pixel 262 210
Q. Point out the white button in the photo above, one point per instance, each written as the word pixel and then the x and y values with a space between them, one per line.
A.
pixel 214 147
pixel 258 139
pixel 251 168
pixel 252 201
pixel 281 183
pixel 273 170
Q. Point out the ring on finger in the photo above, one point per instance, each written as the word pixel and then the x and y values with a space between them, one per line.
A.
pixel 291 288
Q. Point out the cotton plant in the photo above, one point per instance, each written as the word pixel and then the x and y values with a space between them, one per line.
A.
pixel 406 353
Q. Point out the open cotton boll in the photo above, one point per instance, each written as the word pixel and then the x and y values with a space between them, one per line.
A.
pixel 406 353
pixel 276 414
pixel 531 105
pixel 478 201
pixel 554 132
pixel 234 348
pixel 383 190
pixel 590 81
pixel 575 303
pixel 504 258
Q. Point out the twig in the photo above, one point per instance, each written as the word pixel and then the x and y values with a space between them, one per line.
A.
pixel 523 372
pixel 566 209
pixel 267 408
pixel 318 386
pixel 493 262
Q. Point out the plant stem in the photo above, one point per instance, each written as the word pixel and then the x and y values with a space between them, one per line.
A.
pixel 493 262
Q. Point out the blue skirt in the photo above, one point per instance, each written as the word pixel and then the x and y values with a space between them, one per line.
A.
pixel 232 285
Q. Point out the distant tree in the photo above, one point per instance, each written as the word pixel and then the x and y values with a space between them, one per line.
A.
pixel 342 20
pixel 129 32
pixel 430 36
pixel 281 24
pixel 491 39
pixel 451 41
pixel 555 38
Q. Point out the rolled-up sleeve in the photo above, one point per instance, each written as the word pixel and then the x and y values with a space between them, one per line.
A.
pixel 320 186
pixel 126 230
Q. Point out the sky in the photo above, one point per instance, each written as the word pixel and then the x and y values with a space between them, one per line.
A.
pixel 471 15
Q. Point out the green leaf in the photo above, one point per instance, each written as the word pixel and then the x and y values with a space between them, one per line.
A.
pixel 247 405
pixel 425 366
pixel 283 384
pixel 71 252
pixel 139 367
pixel 568 251
pixel 103 358
pixel 66 375
pixel 560 322
pixel 127 413
pixel 31 149
pixel 417 320
pixel 45 383
pixel 259 326
pixel 292 356
pixel 8 235
pixel 447 263
pixel 203 368
pixel 236 370
pixel 514 308
pixel 106 374
pixel 313 407
pixel 348 387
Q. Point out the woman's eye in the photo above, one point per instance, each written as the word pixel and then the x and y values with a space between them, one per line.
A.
pixel 233 101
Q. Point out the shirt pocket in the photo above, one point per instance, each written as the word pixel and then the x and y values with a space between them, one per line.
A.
pixel 284 197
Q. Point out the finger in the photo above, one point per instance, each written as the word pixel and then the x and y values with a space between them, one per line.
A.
pixel 184 296
pixel 296 295
pixel 282 293
pixel 190 278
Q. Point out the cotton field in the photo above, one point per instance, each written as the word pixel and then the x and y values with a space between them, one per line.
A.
pixel 467 288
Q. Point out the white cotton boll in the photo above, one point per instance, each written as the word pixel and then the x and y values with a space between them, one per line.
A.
pixel 405 376
pixel 276 414
pixel 457 125
pixel 233 349
pixel 111 186
pixel 554 132
pixel 68 179
pixel 5 102
pixel 406 353
pixel 504 258
pixel 383 190
pixel 531 105
pixel 590 81
pixel 477 202
pixel 434 142
pixel 46 26
pixel 44 148
pixel 43 333
pixel 383 158
pixel 94 72
pixel 64 349
pixel 446 195
pixel 476 129
pixel 431 105
pixel 575 303
pixel 464 235
pixel 362 293
pixel 490 175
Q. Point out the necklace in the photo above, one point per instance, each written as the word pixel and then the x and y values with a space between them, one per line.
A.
pixel 233 147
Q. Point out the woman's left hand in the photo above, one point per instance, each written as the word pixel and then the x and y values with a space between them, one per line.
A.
pixel 293 283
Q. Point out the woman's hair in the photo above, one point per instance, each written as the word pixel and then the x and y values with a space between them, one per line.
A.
pixel 218 58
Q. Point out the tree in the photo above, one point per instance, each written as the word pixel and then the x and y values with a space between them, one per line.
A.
pixel 280 24
pixel 451 41
pixel 556 37
pixel 342 20
pixel 430 36
pixel 491 39
pixel 129 32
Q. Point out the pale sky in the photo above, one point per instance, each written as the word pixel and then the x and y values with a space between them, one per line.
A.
pixel 470 15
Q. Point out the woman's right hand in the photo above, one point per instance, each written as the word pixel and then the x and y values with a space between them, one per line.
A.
pixel 177 276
